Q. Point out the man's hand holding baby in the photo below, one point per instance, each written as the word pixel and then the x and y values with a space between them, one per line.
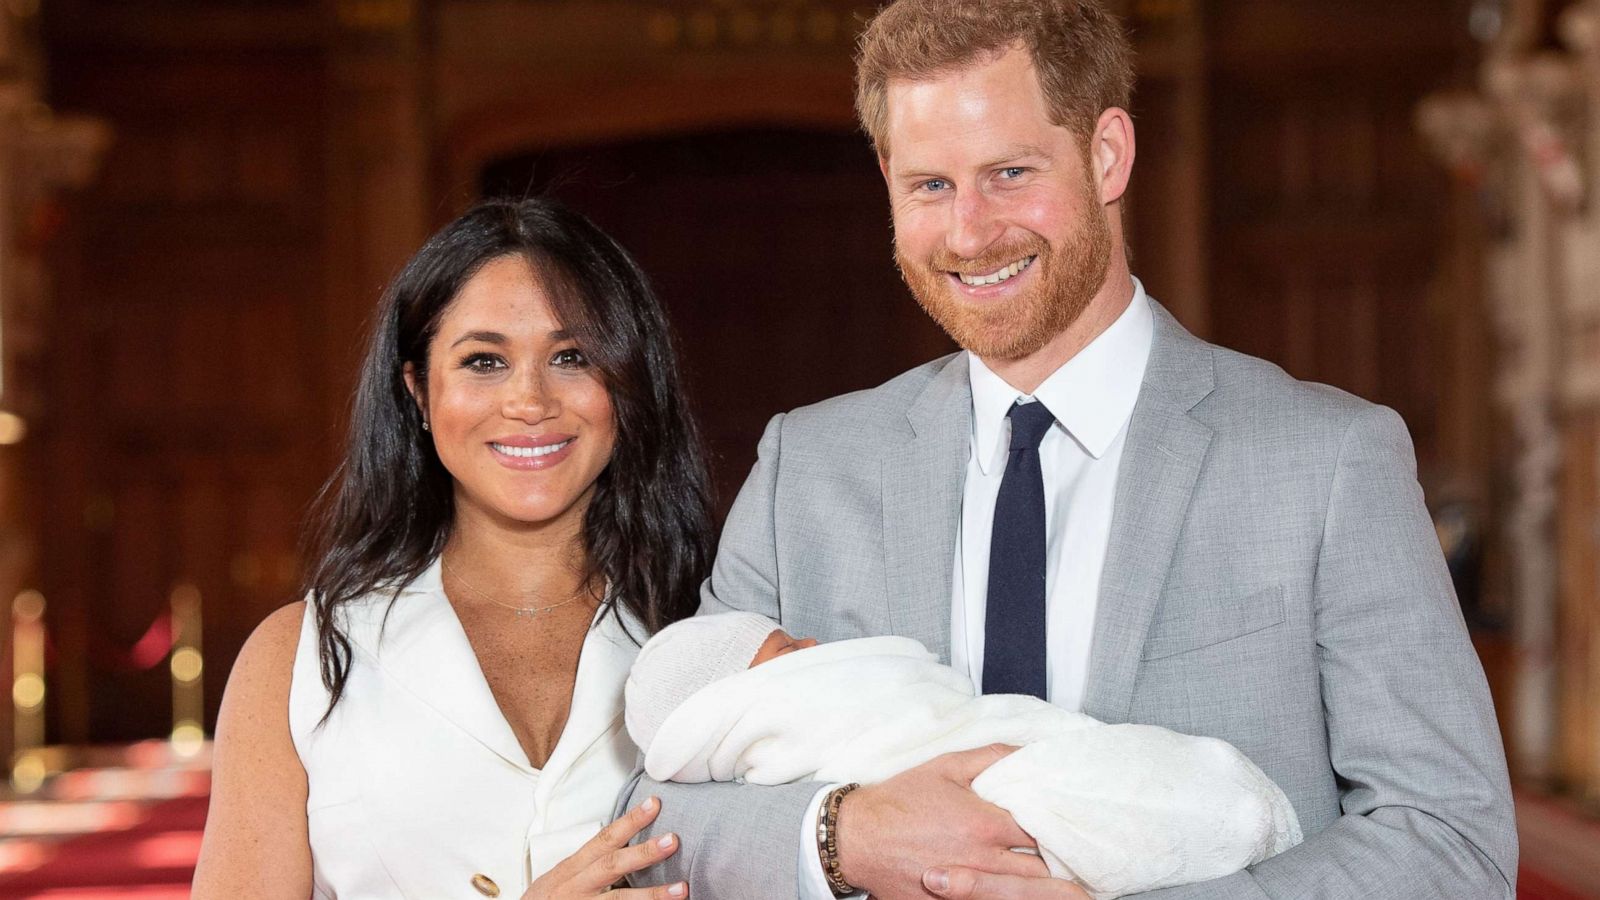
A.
pixel 733 697
pixel 928 817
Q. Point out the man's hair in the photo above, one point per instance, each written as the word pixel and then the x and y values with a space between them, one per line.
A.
pixel 1079 49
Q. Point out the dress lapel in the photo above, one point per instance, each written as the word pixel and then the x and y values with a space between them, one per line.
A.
pixel 608 653
pixel 1162 460
pixel 422 647
pixel 922 482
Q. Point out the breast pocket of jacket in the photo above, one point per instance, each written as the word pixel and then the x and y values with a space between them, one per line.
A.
pixel 1200 623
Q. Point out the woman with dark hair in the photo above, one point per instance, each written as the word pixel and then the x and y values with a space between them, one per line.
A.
pixel 522 500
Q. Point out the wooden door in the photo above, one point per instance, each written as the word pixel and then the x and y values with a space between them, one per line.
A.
pixel 770 248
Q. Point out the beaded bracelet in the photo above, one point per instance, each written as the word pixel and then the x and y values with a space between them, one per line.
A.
pixel 828 840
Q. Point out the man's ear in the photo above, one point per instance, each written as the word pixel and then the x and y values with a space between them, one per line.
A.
pixel 1111 153
pixel 883 166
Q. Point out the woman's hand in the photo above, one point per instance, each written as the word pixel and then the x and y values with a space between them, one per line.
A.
pixel 606 859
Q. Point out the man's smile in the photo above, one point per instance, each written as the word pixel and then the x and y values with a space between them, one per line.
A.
pixel 1004 273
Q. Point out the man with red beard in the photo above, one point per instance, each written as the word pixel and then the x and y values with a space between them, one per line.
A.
pixel 1093 506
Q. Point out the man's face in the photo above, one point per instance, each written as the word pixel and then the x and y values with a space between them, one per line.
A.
pixel 1000 231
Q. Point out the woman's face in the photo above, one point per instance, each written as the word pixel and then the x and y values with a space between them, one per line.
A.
pixel 520 419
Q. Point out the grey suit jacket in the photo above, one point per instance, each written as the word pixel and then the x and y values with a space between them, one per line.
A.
pixel 1272 579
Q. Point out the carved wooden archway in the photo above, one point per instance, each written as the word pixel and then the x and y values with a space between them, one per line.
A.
pixel 582 111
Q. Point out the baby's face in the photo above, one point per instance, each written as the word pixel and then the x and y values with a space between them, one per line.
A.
pixel 777 644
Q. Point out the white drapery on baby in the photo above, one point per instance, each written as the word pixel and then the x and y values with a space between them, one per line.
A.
pixel 1119 809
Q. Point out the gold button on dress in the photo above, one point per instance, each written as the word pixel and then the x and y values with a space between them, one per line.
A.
pixel 485 885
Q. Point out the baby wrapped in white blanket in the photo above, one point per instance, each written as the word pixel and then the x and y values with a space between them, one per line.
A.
pixel 1118 809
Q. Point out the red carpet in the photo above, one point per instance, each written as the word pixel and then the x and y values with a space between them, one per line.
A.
pixel 153 858
pixel 129 826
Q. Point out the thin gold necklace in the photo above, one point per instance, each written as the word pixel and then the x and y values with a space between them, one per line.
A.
pixel 523 612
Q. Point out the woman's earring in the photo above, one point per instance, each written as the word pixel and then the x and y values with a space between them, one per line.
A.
pixel 426 426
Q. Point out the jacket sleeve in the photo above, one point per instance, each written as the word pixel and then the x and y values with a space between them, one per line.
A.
pixel 1427 810
pixel 738 842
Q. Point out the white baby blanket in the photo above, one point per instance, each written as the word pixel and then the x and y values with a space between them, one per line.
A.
pixel 1119 809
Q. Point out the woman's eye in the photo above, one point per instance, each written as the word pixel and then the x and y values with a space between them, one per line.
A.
pixel 571 359
pixel 482 362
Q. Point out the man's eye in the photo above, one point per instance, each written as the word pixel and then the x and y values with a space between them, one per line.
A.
pixel 571 359
pixel 1012 172
pixel 482 362
pixel 934 185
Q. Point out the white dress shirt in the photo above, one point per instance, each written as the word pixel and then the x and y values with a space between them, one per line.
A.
pixel 1092 397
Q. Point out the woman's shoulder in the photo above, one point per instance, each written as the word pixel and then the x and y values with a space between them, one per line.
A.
pixel 252 726
pixel 273 643
pixel 277 678
pixel 257 818
pixel 265 664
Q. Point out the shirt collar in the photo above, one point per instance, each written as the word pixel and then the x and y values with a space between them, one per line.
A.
pixel 1092 395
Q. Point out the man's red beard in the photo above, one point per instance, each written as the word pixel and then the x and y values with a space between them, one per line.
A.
pixel 1066 280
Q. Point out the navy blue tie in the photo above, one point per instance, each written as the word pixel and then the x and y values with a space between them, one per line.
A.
pixel 1014 625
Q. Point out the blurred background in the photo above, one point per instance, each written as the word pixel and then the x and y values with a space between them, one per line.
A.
pixel 200 201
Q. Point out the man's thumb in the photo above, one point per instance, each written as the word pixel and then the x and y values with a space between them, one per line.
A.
pixel 965 765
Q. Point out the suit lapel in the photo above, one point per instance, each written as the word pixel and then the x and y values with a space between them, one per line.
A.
pixel 1162 460
pixel 922 483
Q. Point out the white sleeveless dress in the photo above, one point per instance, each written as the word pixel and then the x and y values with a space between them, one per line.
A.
pixel 418 787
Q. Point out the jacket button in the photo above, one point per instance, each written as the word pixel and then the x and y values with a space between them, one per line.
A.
pixel 485 885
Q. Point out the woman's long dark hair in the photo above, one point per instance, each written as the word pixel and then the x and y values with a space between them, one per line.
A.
pixel 387 512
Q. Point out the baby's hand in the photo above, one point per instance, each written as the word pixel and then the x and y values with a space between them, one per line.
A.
pixel 777 644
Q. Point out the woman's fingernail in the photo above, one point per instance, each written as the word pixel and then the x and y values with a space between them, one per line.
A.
pixel 664 841
pixel 649 805
pixel 678 890
pixel 936 880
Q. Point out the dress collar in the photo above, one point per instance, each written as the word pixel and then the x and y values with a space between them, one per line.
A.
pixel 421 645
pixel 1092 394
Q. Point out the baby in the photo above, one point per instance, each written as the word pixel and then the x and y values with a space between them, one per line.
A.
pixel 1118 809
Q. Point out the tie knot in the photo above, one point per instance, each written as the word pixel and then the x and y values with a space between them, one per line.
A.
pixel 1029 422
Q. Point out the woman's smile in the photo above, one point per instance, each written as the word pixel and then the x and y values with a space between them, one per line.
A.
pixel 532 453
